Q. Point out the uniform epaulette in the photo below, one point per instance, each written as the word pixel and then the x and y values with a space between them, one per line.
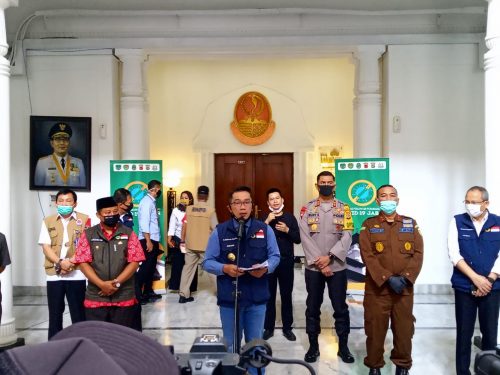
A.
pixel 338 200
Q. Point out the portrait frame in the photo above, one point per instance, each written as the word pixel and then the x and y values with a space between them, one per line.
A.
pixel 45 172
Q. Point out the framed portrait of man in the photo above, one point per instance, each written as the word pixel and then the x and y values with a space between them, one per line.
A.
pixel 60 152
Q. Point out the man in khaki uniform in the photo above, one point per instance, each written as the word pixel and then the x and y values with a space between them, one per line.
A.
pixel 326 232
pixel 392 250
pixel 199 222
pixel 59 236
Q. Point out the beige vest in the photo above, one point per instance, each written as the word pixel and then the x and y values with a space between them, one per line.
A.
pixel 198 226
pixel 55 228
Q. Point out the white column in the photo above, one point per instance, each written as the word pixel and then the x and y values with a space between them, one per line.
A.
pixel 492 109
pixel 8 327
pixel 368 102
pixel 134 130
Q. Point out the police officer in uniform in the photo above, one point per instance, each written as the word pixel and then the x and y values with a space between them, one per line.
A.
pixel 200 220
pixel 59 168
pixel 326 232
pixel 392 250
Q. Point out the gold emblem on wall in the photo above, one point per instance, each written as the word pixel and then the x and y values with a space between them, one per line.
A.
pixel 252 124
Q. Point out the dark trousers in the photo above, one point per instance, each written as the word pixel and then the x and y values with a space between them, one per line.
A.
pixel 177 257
pixel 124 316
pixel 467 307
pixel 284 275
pixel 75 294
pixel 144 276
pixel 379 309
pixel 337 286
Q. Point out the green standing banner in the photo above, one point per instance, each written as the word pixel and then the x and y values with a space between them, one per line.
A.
pixel 134 175
pixel 357 183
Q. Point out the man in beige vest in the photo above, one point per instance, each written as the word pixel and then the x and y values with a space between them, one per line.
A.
pixel 199 222
pixel 59 236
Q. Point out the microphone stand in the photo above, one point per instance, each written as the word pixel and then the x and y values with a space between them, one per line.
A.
pixel 236 335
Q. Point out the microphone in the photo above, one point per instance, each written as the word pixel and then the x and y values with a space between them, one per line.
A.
pixel 241 228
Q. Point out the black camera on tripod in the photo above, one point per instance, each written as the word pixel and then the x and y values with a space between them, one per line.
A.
pixel 209 355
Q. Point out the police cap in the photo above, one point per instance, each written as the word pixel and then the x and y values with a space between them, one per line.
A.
pixel 61 128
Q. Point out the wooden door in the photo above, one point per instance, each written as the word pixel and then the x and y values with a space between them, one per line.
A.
pixel 257 171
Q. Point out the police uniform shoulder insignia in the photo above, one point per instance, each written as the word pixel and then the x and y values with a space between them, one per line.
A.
pixel 407 246
pixel 303 210
pixel 379 246
pixel 348 222
pixel 362 228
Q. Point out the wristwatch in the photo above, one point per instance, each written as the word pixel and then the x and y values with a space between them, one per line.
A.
pixel 57 266
pixel 491 279
pixel 116 283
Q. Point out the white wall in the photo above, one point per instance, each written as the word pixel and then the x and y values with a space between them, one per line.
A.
pixel 437 90
pixel 58 85
pixel 191 105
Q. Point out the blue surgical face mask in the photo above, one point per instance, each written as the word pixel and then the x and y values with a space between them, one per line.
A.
pixel 388 207
pixel 64 210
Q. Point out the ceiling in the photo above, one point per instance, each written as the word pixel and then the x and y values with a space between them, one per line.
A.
pixel 15 15
pixel 346 13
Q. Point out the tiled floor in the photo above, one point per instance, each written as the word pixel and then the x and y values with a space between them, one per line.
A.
pixel 176 324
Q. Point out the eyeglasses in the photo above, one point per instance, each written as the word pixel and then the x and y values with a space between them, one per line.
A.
pixel 472 202
pixel 327 184
pixel 241 203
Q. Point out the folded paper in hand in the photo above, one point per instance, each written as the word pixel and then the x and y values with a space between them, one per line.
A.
pixel 255 267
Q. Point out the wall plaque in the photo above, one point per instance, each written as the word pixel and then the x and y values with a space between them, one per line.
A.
pixel 252 124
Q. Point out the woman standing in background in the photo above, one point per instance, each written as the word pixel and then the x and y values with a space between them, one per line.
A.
pixel 174 239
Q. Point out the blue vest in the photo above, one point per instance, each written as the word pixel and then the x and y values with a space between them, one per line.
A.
pixel 253 250
pixel 480 252
pixel 128 220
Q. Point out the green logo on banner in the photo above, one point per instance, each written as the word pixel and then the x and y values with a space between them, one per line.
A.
pixel 357 183
pixel 362 193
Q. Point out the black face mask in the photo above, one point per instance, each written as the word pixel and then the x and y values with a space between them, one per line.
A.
pixel 325 190
pixel 129 207
pixel 111 220
pixel 158 194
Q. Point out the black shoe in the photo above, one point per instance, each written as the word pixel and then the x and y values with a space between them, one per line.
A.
pixel 345 355
pixel 267 334
pixel 144 300
pixel 289 335
pixel 153 296
pixel 184 299
pixel 311 355
pixel 374 371
pixel 402 371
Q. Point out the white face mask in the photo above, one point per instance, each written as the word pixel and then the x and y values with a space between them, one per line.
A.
pixel 278 210
pixel 474 210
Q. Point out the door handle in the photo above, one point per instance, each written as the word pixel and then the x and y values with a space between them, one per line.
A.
pixel 256 211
